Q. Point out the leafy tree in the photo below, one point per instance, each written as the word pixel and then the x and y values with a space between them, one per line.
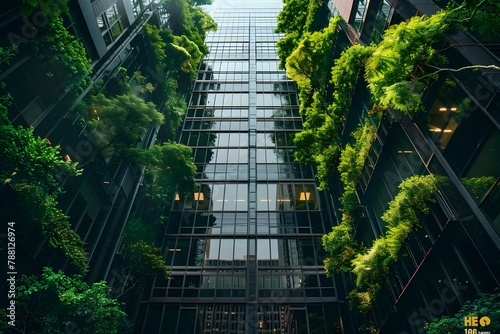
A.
pixel 143 262
pixel 487 304
pixel 172 168
pixel 285 46
pixel 67 55
pixel 119 123
pixel 54 303
pixel 307 63
pixel 293 16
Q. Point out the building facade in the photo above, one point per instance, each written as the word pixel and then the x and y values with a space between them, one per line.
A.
pixel 99 201
pixel 454 256
pixel 245 248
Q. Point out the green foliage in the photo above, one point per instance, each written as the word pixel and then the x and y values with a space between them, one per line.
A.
pixel 55 302
pixel 309 63
pixel 67 55
pixel 33 168
pixel 29 159
pixel 46 7
pixel 319 142
pixel 119 123
pixel 285 46
pixel 293 16
pixel 478 186
pixel 345 74
pixel 341 248
pixel 480 16
pixel 143 262
pixel 390 71
pixel 359 302
pixel 6 54
pixel 372 267
pixel 487 304
pixel 39 208
pixel 190 21
pixel 140 86
pixel 157 45
pixel 414 194
pixel 339 243
pixel 138 230
pixel 192 53
pixel 172 168
pixel 296 18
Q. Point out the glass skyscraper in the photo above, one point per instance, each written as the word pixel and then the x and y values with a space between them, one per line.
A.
pixel 245 248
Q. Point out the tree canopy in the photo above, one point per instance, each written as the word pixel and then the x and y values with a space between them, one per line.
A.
pixel 171 167
pixel 143 262
pixel 55 302
pixel 120 123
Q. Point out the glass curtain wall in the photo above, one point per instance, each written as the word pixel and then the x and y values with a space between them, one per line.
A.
pixel 244 248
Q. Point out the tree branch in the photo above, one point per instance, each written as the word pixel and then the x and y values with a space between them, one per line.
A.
pixel 494 67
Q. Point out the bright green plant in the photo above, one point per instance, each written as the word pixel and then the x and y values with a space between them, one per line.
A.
pixel 39 208
pixel 67 55
pixel 56 303
pixel 172 168
pixel 33 168
pixel 339 243
pixel 309 63
pixel 119 123
pixel 487 304
pixel 402 217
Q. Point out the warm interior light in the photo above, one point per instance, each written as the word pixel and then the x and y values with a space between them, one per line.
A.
pixel 304 196
pixel 106 182
pixel 177 197
pixel 453 109
pixel 199 196
pixel 405 152
pixel 174 249
pixel 443 109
